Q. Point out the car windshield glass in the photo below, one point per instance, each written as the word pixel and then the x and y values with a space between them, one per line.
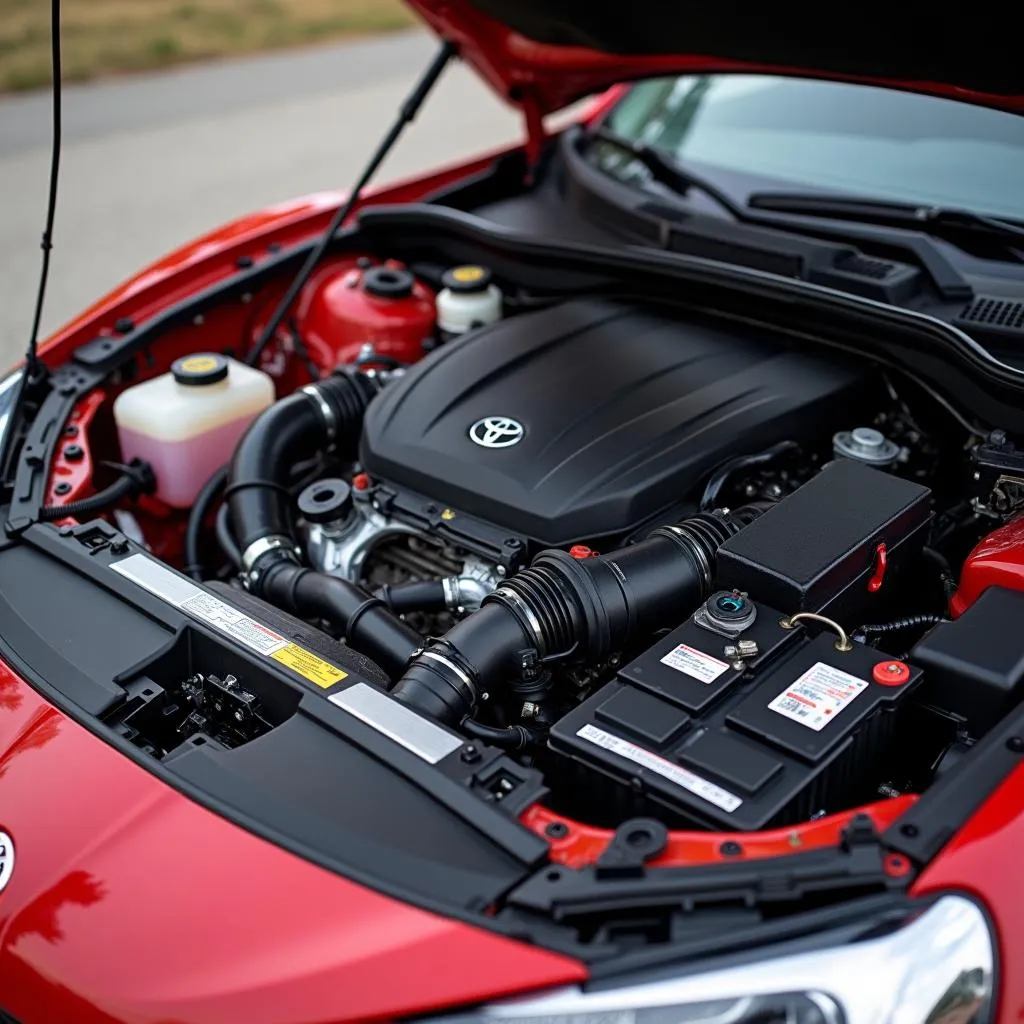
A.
pixel 846 138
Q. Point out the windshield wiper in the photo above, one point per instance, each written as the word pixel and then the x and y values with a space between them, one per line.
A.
pixel 666 171
pixel 932 220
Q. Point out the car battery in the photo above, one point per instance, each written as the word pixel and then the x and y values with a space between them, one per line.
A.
pixel 765 728
pixel 833 546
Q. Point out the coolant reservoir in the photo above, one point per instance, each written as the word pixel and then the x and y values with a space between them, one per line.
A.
pixel 186 423
pixel 468 299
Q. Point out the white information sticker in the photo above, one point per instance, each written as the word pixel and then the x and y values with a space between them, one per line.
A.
pixel 689 781
pixel 818 696
pixel 694 663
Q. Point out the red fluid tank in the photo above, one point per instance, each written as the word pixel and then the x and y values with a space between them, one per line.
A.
pixel 382 305
pixel 996 561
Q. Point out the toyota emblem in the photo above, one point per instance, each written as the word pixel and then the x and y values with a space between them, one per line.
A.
pixel 496 432
pixel 6 859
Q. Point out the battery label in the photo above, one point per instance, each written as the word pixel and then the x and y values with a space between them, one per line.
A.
pixel 692 783
pixel 694 663
pixel 170 587
pixel 818 696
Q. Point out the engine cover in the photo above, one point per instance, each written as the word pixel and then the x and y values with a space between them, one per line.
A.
pixel 585 420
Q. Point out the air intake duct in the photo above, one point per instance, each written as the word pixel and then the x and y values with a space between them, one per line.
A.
pixel 563 607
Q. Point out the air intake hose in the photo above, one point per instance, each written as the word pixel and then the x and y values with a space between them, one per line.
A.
pixel 564 607
pixel 328 414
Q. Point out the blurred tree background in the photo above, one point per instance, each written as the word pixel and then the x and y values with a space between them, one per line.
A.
pixel 104 37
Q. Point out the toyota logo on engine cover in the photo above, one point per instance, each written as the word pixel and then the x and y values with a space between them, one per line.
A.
pixel 496 432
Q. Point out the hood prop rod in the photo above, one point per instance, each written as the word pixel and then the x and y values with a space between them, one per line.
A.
pixel 407 113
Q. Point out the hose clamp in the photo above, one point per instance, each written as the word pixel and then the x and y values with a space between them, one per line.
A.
pixel 525 612
pixel 262 546
pixel 455 671
pixel 312 392
pixel 695 548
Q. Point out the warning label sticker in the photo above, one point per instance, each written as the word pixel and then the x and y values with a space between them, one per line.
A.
pixel 231 621
pixel 307 664
pixel 818 696
pixel 695 784
pixel 695 663
pixel 181 593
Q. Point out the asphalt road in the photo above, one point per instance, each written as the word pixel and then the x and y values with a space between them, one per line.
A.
pixel 150 162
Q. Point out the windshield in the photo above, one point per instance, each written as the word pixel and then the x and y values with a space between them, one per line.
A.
pixel 853 139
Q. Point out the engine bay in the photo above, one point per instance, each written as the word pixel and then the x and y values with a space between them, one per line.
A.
pixel 596 557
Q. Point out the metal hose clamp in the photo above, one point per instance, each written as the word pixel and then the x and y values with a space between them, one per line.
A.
pixel 510 597
pixel 258 548
pixel 312 392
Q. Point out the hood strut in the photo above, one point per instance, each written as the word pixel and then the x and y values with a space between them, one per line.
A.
pixel 406 114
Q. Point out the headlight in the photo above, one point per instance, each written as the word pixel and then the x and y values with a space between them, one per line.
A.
pixel 935 970
pixel 8 393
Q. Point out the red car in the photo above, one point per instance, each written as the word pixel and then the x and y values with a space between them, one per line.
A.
pixel 583 585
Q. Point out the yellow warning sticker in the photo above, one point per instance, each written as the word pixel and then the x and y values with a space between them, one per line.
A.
pixel 309 666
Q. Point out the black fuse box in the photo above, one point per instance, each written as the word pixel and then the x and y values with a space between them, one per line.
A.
pixel 974 666
pixel 798 729
pixel 817 549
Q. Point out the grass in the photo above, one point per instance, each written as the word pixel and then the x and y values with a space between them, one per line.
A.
pixel 106 37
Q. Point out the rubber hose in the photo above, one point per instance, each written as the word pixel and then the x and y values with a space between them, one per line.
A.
pixel 196 518
pixel 310 420
pixel 721 476
pixel 137 478
pixel 224 538
pixel 414 596
pixel 563 607
pixel 365 622
pixel 512 737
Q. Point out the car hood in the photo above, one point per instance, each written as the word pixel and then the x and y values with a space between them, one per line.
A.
pixel 544 54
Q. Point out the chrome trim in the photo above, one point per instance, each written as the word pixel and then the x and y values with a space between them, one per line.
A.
pixel 937 969
pixel 258 548
pixel 527 612
pixel 323 407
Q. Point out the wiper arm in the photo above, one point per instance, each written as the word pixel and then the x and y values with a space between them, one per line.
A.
pixel 933 220
pixel 946 278
pixel 667 172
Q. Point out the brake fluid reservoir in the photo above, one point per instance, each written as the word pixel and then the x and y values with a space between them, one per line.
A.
pixel 186 423
pixel 468 299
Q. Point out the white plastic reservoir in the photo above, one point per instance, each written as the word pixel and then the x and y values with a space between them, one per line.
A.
pixel 186 423
pixel 468 299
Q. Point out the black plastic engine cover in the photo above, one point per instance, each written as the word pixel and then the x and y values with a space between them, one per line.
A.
pixel 622 412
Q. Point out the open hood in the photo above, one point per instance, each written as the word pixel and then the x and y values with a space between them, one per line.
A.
pixel 544 54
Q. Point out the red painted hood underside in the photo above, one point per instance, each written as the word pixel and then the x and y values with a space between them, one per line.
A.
pixel 545 54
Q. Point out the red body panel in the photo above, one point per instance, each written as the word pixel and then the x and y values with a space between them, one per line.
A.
pixel 576 845
pixel 131 903
pixel 543 77
pixel 984 860
pixel 996 561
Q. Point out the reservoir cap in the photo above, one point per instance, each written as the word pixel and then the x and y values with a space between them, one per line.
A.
pixel 467 279
pixel 200 369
